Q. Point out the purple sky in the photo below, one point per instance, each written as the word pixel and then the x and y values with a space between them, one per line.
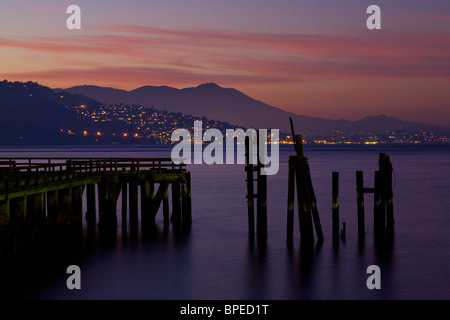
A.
pixel 310 57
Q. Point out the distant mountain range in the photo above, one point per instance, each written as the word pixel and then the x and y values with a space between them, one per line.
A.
pixel 230 105
pixel 32 114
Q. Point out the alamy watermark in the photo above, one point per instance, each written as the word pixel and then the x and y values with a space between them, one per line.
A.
pixel 74 20
pixel 221 150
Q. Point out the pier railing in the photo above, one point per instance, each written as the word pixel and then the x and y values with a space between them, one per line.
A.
pixel 22 171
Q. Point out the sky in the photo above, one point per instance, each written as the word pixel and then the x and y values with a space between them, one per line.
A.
pixel 310 57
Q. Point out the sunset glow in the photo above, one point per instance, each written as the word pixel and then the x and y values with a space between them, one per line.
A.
pixel 332 68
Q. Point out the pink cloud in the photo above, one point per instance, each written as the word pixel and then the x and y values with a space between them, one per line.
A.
pixel 148 55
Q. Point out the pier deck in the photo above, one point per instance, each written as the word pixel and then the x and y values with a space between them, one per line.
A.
pixel 37 192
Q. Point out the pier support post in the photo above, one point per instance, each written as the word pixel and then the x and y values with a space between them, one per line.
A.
pixel 304 215
pixel 335 205
pixel 113 195
pixel 186 202
pixel 166 208
pixel 291 195
pixel 261 209
pixel 124 206
pixel 91 211
pixel 385 167
pixel 360 204
pixel 300 175
pixel 133 190
pixel 176 204
pixel 77 211
pixel 147 204
pixel 102 190
pixel 379 207
pixel 250 189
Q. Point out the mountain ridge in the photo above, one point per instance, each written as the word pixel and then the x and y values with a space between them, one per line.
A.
pixel 231 105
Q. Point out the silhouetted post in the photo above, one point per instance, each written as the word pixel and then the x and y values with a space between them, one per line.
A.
pixel 261 213
pixel 187 216
pixel 300 175
pixel 291 194
pixel 52 210
pixel 304 213
pixel 386 170
pixel 360 204
pixel 166 208
pixel 313 204
pixel 133 206
pixel 91 207
pixel 124 206
pixel 335 205
pixel 102 190
pixel 176 205
pixel 147 204
pixel 379 206
pixel 250 189
pixel 77 211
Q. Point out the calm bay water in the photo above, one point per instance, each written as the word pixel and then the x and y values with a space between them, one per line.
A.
pixel 216 261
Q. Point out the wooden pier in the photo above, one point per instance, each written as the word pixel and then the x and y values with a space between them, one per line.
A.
pixel 46 195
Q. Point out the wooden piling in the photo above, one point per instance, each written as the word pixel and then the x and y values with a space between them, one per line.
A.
pixel 304 209
pixel 335 205
pixel 379 207
pixel 250 189
pixel 133 205
pixel 176 204
pixel 124 206
pixel 385 167
pixel 187 216
pixel 77 211
pixel 299 174
pixel 261 209
pixel 113 195
pixel 91 205
pixel 313 204
pixel 147 210
pixel 166 208
pixel 360 204
pixel 102 196
pixel 291 195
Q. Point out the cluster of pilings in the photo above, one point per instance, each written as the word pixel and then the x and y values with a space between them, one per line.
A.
pixel 43 198
pixel 299 180
pixel 383 209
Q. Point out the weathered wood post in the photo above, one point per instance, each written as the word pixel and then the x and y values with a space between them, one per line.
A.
pixel 124 207
pixel 176 205
pixel 360 204
pixel 335 205
pixel 166 208
pixel 77 212
pixel 299 174
pixel 113 195
pixel 304 208
pixel 313 205
pixel 385 167
pixel 187 205
pixel 261 209
pixel 133 190
pixel 147 205
pixel 250 188
pixel 379 207
pixel 291 195
pixel 91 205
